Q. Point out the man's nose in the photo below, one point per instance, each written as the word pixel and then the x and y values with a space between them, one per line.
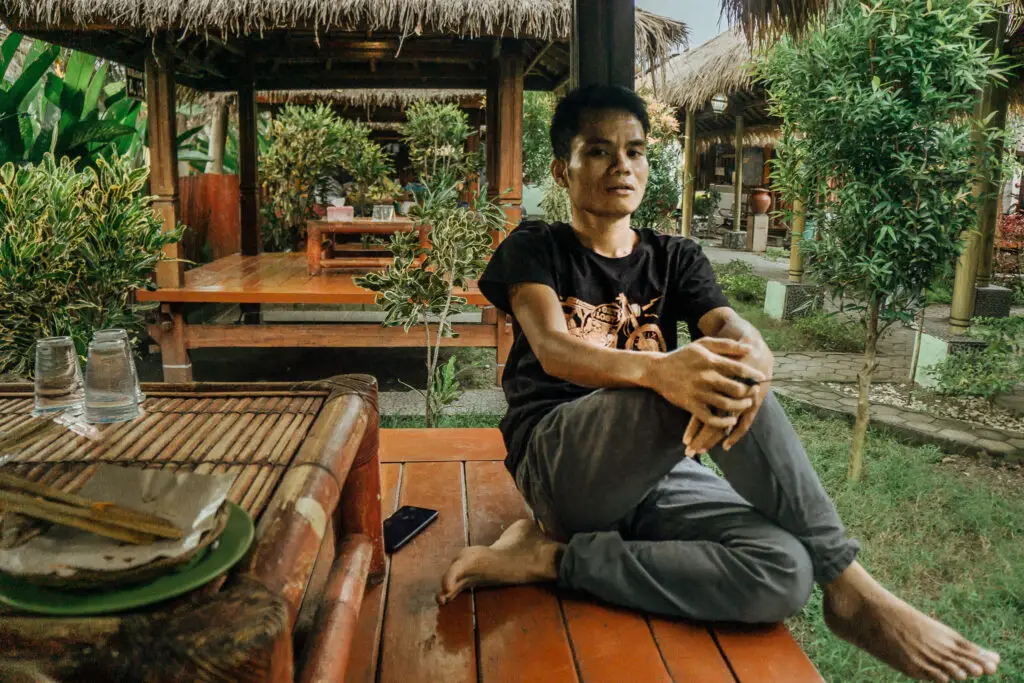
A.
pixel 620 164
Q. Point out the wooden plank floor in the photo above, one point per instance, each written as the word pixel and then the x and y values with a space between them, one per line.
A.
pixel 270 278
pixel 524 633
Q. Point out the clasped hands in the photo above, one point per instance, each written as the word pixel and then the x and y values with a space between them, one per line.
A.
pixel 721 383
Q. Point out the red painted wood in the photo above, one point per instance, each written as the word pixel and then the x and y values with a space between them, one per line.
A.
pixel 430 445
pixel 366 645
pixel 209 207
pixel 690 652
pixel 765 653
pixel 421 641
pixel 612 644
pixel 521 633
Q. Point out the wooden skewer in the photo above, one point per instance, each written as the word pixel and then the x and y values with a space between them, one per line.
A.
pixel 26 504
pixel 110 511
pixel 40 511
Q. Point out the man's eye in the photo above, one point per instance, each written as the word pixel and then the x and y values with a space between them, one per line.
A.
pixel 597 151
pixel 636 153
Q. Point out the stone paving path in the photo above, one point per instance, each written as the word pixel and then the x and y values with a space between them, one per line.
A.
pixel 956 435
pixel 836 367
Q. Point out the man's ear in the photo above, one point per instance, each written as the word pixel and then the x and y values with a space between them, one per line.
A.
pixel 559 171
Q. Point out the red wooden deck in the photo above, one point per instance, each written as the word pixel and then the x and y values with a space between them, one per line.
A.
pixel 526 633
pixel 272 278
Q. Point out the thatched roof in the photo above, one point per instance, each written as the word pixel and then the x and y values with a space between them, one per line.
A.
pixel 763 20
pixel 398 98
pixel 761 135
pixel 542 20
pixel 721 65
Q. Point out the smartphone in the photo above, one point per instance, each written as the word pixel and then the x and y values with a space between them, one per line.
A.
pixel 405 524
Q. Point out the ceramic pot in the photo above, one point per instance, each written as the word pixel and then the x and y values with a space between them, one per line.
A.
pixel 760 200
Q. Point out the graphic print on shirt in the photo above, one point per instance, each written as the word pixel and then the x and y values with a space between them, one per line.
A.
pixel 618 325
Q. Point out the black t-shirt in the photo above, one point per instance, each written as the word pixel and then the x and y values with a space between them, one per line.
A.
pixel 634 302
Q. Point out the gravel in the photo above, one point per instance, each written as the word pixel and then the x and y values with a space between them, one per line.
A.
pixel 966 408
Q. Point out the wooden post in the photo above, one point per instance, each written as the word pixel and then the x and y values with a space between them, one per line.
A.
pixel 992 209
pixel 473 147
pixel 505 159
pixel 965 282
pixel 796 259
pixel 737 184
pixel 603 42
pixel 163 154
pixel 218 139
pixel 247 169
pixel 505 136
pixel 689 167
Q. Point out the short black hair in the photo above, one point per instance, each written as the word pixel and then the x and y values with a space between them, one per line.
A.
pixel 565 124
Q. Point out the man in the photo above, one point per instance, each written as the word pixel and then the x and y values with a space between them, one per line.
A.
pixel 606 417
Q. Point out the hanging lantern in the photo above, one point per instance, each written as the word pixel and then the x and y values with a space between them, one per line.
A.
pixel 719 102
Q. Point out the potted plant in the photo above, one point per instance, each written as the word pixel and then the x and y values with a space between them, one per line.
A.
pixel 382 195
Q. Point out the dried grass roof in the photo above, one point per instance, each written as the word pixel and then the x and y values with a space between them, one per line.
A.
pixel 551 20
pixel 721 65
pixel 368 97
pixel 764 20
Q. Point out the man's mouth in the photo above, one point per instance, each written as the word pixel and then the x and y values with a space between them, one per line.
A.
pixel 622 188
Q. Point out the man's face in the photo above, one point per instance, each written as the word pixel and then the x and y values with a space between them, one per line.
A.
pixel 606 172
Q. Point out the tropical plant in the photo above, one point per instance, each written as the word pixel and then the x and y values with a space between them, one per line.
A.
pixel 877 141
pixel 72 112
pixel 74 246
pixel 538 108
pixel 421 284
pixel 987 372
pixel 306 146
pixel 664 157
pixel 436 134
pixel 554 202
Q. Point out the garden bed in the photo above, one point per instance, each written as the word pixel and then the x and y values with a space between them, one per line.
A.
pixel 966 408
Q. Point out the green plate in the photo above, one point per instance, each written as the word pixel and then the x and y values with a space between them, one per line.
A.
pixel 230 547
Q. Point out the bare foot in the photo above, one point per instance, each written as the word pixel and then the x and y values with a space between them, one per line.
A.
pixel 523 554
pixel 861 611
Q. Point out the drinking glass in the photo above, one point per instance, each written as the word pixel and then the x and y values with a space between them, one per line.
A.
pixel 111 392
pixel 114 334
pixel 58 383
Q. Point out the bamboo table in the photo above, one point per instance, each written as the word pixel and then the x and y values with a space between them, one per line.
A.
pixel 320 257
pixel 308 472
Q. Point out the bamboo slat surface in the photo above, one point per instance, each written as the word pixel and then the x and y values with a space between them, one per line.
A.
pixel 252 437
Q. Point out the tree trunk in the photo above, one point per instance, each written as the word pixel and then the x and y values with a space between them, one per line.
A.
pixel 218 139
pixel 429 414
pixel 918 338
pixel 860 427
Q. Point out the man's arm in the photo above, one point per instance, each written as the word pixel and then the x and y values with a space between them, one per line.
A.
pixel 695 378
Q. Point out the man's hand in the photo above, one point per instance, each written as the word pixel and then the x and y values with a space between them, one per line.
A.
pixel 762 360
pixel 699 378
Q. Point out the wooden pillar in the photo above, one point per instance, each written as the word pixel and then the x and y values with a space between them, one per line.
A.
pixel 796 259
pixel 603 42
pixel 688 174
pixel 992 209
pixel 473 147
pixel 163 154
pixel 218 139
pixel 965 281
pixel 737 184
pixel 247 169
pixel 505 136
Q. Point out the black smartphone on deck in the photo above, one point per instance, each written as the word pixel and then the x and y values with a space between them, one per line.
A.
pixel 405 524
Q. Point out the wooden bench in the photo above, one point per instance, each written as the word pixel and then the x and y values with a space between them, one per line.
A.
pixel 282 278
pixel 523 633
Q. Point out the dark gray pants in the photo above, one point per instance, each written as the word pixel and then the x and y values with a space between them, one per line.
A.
pixel 651 529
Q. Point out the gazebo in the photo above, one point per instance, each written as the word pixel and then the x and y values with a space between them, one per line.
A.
pixel 497 47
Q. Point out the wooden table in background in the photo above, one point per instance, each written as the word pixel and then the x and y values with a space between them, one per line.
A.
pixel 319 257
pixel 307 470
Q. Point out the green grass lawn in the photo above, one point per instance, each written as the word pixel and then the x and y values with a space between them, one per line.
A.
pixel 949 538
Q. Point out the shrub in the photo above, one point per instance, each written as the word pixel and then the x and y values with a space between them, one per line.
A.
pixel 987 372
pixel 828 333
pixel 738 281
pixel 74 245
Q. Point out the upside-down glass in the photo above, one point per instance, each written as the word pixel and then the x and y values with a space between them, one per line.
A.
pixel 111 392
pixel 117 333
pixel 58 377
